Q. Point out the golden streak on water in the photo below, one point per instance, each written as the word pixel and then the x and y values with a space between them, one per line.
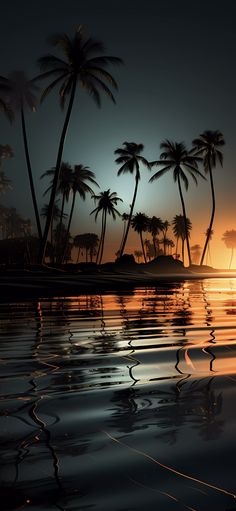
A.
pixel 170 469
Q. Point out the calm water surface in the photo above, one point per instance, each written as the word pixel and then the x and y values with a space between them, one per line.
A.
pixel 120 402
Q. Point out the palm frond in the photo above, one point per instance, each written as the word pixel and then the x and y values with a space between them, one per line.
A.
pixel 159 173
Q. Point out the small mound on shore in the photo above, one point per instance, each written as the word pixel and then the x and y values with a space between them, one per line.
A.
pixel 165 264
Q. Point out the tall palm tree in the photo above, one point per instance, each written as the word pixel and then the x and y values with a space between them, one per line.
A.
pixel 208 146
pixel 130 158
pixel 80 178
pixel 180 231
pixel 107 201
pixel 177 159
pixel 140 223
pixel 82 63
pixel 229 237
pixel 20 93
pixel 155 227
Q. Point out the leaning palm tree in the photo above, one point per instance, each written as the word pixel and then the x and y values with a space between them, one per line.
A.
pixel 229 237
pixel 82 63
pixel 180 232
pixel 107 201
pixel 208 146
pixel 20 93
pixel 177 159
pixel 124 218
pixel 140 223
pixel 130 158
pixel 80 178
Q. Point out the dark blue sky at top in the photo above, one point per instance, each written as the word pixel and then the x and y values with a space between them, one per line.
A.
pixel 179 79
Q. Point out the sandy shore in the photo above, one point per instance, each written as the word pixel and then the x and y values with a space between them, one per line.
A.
pixel 26 284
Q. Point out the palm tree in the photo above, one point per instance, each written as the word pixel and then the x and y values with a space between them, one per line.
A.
pixel 207 146
pixel 165 227
pixel 107 201
pixel 180 232
pixel 130 158
pixel 64 188
pixel 138 254
pixel 83 64
pixel 155 227
pixel 140 223
pixel 21 93
pixel 89 241
pixel 80 176
pixel 179 160
pixel 56 216
pixel 196 252
pixel 229 237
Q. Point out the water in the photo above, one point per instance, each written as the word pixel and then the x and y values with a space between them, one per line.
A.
pixel 120 402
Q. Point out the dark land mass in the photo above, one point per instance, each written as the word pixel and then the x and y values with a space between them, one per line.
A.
pixel 22 283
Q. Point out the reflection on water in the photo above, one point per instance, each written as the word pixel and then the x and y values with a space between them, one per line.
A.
pixel 120 402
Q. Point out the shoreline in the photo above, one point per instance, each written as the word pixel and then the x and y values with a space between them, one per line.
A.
pixel 25 284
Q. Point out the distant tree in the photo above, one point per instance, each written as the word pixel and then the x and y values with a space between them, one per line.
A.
pixel 229 238
pixel 82 63
pixel 20 93
pixel 177 159
pixel 107 201
pixel 155 227
pixel 56 216
pixel 80 178
pixel 138 254
pixel 165 227
pixel 196 253
pixel 179 231
pixel 140 223
pixel 89 241
pixel 208 147
pixel 130 159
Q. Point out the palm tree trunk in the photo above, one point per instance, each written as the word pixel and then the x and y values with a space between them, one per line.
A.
pixel 100 241
pixel 177 246
pixel 57 174
pixel 231 259
pixel 60 220
pixel 154 245
pixel 183 250
pixel 185 221
pixel 68 227
pixel 212 215
pixel 103 237
pixel 36 212
pixel 130 216
pixel 142 245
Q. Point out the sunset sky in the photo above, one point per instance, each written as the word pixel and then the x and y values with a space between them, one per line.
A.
pixel 178 79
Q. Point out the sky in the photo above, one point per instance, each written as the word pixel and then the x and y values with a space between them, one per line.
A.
pixel 178 79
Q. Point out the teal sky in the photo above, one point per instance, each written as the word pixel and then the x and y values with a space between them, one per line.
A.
pixel 179 79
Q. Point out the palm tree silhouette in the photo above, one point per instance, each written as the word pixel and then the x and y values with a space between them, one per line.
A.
pixel 165 227
pixel 107 201
pixel 196 252
pixel 155 227
pixel 140 223
pixel 56 216
pixel 180 231
pixel 130 158
pixel 207 145
pixel 21 93
pixel 89 241
pixel 229 238
pixel 179 160
pixel 124 218
pixel 138 254
pixel 83 64
pixel 80 176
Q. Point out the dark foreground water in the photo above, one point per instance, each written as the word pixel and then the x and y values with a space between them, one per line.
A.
pixel 120 402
